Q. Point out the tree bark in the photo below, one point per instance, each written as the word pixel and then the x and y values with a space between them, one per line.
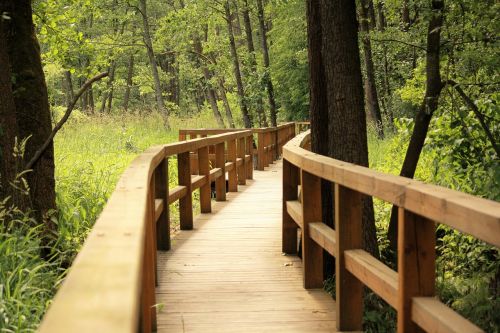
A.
pixel 152 60
pixel 236 68
pixel 434 85
pixel 225 102
pixel 31 104
pixel 130 76
pixel 70 92
pixel 107 95
pixel 347 120
pixel 265 53
pixel 370 84
pixel 253 62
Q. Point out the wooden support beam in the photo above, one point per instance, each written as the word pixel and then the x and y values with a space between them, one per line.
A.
pixel 233 175
pixel 312 253
pixel 204 167
pixel 249 153
pixel 324 236
pixel 186 202
pixel 416 264
pixel 242 177
pixel 220 162
pixel 162 221
pixel 289 228
pixel 260 151
pixel 349 290
pixel 176 193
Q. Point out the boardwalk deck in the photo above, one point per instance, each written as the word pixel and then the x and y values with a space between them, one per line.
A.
pixel 229 275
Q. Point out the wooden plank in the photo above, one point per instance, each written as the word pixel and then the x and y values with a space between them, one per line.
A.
pixel 433 316
pixel 349 290
pixel 374 274
pixel 229 166
pixel 197 181
pixel 185 202
pixel 204 169
pixel 312 253
pixel 220 163
pixel 215 173
pixel 162 217
pixel 324 236
pixel 176 193
pixel 232 175
pixel 416 264
pixel 289 193
pixel 294 209
pixel 260 152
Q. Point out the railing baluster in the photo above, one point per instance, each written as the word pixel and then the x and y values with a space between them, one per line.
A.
pixel 242 177
pixel 249 151
pixel 204 169
pixel 290 189
pixel 161 192
pixel 233 174
pixel 186 202
pixel 349 290
pixel 416 264
pixel 312 253
pixel 220 162
pixel 260 151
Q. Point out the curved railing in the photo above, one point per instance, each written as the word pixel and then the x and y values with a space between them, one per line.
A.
pixel 411 290
pixel 111 285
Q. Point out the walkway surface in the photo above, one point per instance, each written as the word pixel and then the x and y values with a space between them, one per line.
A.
pixel 229 275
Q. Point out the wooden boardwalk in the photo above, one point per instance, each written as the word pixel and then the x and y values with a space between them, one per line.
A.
pixel 229 275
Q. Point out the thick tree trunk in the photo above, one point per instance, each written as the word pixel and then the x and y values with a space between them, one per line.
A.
pixel 253 62
pixel 265 52
pixel 318 112
pixel 370 84
pixel 152 60
pixel 405 15
pixel 31 103
pixel 8 124
pixel 236 67
pixel 130 75
pixel 382 24
pixel 347 120
pixel 434 85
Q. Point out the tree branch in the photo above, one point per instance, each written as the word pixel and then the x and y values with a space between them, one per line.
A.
pixel 63 120
pixel 399 41
pixel 478 114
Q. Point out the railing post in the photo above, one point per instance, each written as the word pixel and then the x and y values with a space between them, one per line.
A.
pixel 233 175
pixel 416 264
pixel 290 192
pixel 242 177
pixel 249 151
pixel 275 139
pixel 312 253
pixel 204 169
pixel 348 227
pixel 148 296
pixel 220 162
pixel 269 142
pixel 161 192
pixel 186 202
pixel 260 151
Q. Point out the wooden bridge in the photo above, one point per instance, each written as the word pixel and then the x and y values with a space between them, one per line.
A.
pixel 233 267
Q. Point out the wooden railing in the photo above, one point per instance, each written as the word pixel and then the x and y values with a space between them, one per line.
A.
pixel 268 147
pixel 411 290
pixel 111 284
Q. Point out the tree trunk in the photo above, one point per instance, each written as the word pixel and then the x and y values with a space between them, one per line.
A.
pixel 108 92
pixel 253 62
pixel 265 52
pixel 236 67
pixel 152 60
pixel 382 24
pixel 347 122
pixel 405 15
pixel 70 92
pixel 370 85
pixel 227 107
pixel 130 76
pixel 434 85
pixel 31 104
pixel 8 124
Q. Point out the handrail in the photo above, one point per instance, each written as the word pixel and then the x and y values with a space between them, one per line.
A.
pixel 111 285
pixel 270 140
pixel 411 290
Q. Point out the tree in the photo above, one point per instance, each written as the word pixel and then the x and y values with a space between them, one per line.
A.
pixel 346 116
pixel 27 101
pixel 265 53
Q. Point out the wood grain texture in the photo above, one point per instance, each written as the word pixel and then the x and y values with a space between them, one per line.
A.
pixel 229 274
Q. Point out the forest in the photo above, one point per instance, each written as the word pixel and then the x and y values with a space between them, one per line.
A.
pixel 96 82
